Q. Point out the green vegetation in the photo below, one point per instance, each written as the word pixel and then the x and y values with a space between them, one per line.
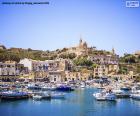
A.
pixel 129 62
pixel 7 55
pixel 67 56
pixel 16 55
pixel 123 70
pixel 82 61
pixel 130 58
pixel 99 52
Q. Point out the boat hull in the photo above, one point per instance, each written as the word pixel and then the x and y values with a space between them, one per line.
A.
pixel 14 97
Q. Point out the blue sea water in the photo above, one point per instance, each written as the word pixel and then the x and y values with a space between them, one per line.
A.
pixel 77 103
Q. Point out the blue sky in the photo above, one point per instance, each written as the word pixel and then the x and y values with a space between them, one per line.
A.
pixel 102 23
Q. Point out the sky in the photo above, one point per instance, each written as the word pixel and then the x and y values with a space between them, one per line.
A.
pixel 101 23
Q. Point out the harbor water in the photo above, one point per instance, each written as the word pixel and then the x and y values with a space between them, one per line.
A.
pixel 77 103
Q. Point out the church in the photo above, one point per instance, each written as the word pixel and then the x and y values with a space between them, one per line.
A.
pixel 81 49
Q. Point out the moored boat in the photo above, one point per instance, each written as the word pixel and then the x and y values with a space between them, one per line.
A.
pixel 126 88
pixel 37 97
pixel 46 95
pixel 64 88
pixel 105 96
pixel 136 95
pixel 33 87
pixel 121 94
pixel 14 95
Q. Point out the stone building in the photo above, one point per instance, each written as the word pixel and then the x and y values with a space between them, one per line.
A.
pixel 81 49
pixel 10 70
pixel 41 76
pixel 104 59
pixel 77 76
pixel 56 76
pixel 100 71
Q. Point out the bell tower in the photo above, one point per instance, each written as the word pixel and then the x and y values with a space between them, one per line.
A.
pixel 113 51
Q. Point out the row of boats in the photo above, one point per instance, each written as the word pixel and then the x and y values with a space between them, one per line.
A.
pixel 112 95
pixel 39 91
pixel 35 92
pixel 16 95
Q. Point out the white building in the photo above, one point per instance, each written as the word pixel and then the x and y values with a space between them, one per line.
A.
pixel 27 63
pixel 34 65
pixel 47 65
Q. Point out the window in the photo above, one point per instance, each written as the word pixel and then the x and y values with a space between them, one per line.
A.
pixel 65 79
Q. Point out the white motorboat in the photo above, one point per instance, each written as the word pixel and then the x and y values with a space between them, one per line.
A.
pixel 99 96
pixel 82 86
pixel 136 95
pixel 102 96
pixel 37 97
pixel 110 96
pixel 120 93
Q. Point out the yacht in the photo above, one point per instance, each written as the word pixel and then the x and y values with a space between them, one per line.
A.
pixel 105 96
